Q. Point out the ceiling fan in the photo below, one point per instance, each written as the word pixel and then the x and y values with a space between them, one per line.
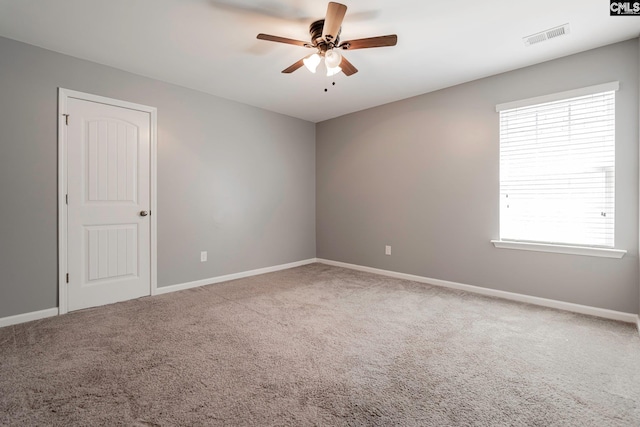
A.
pixel 325 39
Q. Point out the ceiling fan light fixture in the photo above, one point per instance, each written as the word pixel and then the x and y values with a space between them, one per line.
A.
pixel 332 58
pixel 333 71
pixel 312 62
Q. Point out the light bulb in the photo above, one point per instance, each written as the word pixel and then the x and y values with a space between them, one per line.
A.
pixel 333 71
pixel 332 58
pixel 311 62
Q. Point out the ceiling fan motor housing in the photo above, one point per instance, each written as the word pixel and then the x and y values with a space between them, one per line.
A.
pixel 315 29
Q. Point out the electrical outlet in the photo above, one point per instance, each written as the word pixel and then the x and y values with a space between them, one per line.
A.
pixel 387 250
pixel 203 256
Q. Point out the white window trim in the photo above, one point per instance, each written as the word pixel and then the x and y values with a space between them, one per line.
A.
pixel 549 247
pixel 589 90
pixel 560 249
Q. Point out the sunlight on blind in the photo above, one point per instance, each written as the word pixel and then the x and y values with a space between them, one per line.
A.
pixel 557 171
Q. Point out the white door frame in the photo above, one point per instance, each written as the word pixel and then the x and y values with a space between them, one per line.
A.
pixel 63 97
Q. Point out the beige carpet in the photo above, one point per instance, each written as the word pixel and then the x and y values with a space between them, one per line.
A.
pixel 320 345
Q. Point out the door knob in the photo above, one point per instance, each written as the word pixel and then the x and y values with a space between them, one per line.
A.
pixel 144 213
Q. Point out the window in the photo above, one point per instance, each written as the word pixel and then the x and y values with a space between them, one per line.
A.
pixel 557 168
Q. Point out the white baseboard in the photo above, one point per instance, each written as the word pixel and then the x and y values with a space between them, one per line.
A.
pixel 28 317
pixel 234 276
pixel 544 302
pixel 36 315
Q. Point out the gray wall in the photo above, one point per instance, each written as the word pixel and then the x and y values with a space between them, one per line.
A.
pixel 234 180
pixel 422 175
pixel 240 182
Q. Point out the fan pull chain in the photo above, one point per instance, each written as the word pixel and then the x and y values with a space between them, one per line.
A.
pixel 332 84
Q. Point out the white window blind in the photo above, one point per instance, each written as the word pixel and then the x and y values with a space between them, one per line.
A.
pixel 557 170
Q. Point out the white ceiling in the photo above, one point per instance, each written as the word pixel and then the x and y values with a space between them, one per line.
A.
pixel 211 45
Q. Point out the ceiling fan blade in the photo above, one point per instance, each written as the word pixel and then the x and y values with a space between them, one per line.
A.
pixel 347 67
pixel 293 67
pixel 333 21
pixel 277 39
pixel 380 41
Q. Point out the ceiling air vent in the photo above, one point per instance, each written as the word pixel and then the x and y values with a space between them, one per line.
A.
pixel 551 33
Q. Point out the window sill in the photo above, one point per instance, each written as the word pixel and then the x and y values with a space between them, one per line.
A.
pixel 560 249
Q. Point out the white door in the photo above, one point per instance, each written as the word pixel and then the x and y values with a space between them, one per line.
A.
pixel 108 187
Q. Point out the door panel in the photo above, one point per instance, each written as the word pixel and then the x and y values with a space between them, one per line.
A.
pixel 112 149
pixel 111 251
pixel 108 186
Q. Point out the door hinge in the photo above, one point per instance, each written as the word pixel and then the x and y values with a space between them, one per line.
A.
pixel 66 119
pixel 66 199
pixel 67 277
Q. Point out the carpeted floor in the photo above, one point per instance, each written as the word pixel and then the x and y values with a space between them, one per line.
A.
pixel 320 345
